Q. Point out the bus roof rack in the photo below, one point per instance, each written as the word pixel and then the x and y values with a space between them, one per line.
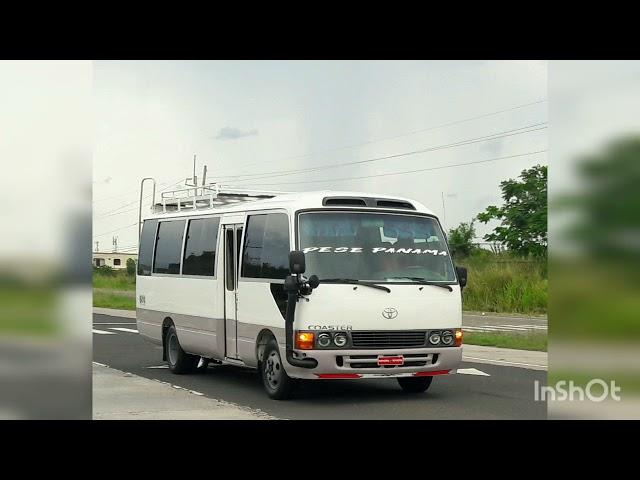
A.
pixel 207 197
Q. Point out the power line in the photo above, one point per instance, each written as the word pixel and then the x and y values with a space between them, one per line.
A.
pixel 121 194
pixel 237 176
pixel 422 130
pixel 115 210
pixel 493 136
pixel 116 230
pixel 405 172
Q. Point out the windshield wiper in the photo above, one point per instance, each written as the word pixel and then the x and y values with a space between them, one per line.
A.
pixel 424 281
pixel 353 281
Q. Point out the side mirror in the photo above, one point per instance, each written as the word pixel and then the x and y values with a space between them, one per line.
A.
pixel 461 273
pixel 296 262
pixel 314 281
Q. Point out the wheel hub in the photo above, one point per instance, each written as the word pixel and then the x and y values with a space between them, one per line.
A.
pixel 273 370
pixel 173 349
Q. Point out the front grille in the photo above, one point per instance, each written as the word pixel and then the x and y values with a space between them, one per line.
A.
pixel 371 361
pixel 389 339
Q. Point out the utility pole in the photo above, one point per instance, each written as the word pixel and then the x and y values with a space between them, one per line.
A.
pixel 97 246
pixel 114 241
pixel 195 178
pixel 444 214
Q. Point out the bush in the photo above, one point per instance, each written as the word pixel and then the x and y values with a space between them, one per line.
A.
pixel 461 240
pixel 131 266
pixel 105 270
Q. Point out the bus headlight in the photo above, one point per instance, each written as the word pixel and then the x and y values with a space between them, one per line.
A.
pixel 324 340
pixel 434 338
pixel 447 337
pixel 340 339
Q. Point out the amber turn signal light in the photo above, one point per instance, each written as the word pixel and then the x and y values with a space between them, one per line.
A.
pixel 458 337
pixel 304 340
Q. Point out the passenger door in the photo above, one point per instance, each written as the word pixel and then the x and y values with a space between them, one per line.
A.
pixel 232 238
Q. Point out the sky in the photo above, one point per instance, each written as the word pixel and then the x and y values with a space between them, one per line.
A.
pixel 265 117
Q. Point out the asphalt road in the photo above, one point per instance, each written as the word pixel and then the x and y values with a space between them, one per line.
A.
pixel 504 393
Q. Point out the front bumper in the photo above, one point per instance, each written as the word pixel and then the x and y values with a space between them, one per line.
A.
pixel 337 364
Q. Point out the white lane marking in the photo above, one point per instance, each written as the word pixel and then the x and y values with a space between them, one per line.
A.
pixel 102 332
pixel 542 319
pixel 504 328
pixel 493 329
pixel 503 362
pixel 472 371
pixel 159 366
pixel 540 327
pixel 129 330
pixel 100 364
pixel 114 323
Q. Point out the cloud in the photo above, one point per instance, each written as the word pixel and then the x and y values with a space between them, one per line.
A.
pixel 492 147
pixel 233 133
pixel 105 181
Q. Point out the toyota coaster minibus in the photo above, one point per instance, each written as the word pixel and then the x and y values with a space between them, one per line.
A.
pixel 300 286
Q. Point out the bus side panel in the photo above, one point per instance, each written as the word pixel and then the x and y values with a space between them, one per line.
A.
pixel 149 322
pixel 257 310
pixel 193 304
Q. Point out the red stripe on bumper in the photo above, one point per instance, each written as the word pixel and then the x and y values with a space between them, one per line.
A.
pixel 430 374
pixel 338 375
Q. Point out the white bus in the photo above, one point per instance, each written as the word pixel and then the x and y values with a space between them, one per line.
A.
pixel 314 286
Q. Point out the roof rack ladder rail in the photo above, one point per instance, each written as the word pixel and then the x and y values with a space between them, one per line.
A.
pixel 153 202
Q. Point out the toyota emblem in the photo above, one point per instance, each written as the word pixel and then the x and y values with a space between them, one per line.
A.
pixel 389 313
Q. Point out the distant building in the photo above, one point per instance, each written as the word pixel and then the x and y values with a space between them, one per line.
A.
pixel 115 260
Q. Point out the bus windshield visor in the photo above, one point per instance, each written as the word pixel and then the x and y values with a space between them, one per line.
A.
pixel 374 247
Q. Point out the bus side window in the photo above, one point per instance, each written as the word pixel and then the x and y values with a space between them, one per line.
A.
pixel 200 247
pixel 228 264
pixel 168 253
pixel 147 239
pixel 266 247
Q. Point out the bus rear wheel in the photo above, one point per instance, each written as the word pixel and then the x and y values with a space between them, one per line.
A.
pixel 415 384
pixel 180 362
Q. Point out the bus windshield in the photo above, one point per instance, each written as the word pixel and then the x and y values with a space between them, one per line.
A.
pixel 377 247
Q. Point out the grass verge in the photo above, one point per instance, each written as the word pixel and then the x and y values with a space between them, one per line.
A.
pixel 27 310
pixel 628 380
pixel 499 283
pixel 112 300
pixel 115 281
pixel 536 341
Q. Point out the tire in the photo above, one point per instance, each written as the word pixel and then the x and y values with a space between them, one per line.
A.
pixel 275 380
pixel 180 362
pixel 415 384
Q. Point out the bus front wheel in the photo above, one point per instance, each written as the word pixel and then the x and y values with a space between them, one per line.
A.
pixel 415 384
pixel 275 380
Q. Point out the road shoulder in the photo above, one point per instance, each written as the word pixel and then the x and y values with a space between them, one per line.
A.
pixel 507 357
pixel 118 395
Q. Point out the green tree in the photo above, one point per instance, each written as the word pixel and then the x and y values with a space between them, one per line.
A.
pixel 523 217
pixel 131 266
pixel 461 239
